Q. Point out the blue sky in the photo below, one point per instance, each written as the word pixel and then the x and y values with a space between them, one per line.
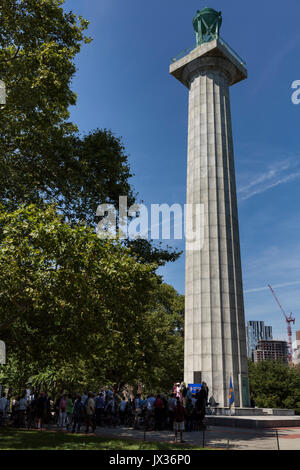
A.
pixel 123 83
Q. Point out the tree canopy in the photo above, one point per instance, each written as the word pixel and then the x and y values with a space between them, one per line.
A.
pixel 274 384
pixel 74 307
pixel 42 156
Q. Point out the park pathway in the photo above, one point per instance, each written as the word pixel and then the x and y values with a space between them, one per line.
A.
pixel 217 437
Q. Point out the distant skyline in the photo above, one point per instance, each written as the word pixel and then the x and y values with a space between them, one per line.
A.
pixel 123 83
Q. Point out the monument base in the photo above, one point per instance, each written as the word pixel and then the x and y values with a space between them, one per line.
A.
pixel 252 418
pixel 219 411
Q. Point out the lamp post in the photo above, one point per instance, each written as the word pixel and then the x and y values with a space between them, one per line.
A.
pixel 2 344
pixel 2 93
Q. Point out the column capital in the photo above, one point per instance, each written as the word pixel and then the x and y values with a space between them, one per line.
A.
pixel 216 67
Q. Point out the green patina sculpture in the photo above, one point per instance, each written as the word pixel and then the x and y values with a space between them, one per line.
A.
pixel 207 24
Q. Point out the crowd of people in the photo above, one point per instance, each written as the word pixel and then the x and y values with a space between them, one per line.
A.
pixel 180 410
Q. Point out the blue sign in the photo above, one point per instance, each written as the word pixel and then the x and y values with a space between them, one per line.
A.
pixel 231 394
pixel 194 388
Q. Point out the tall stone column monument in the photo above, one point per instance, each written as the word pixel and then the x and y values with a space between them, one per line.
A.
pixel 215 339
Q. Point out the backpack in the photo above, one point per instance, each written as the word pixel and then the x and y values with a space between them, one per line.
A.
pixel 79 409
pixel 189 409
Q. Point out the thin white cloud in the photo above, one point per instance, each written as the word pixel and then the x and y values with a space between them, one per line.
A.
pixel 271 178
pixel 276 286
pixel 265 188
pixel 270 174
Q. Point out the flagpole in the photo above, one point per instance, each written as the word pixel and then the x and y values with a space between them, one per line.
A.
pixel 231 395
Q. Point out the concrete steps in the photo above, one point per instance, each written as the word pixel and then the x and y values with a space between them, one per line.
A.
pixel 257 422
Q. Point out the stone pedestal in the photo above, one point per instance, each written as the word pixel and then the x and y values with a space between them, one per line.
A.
pixel 215 339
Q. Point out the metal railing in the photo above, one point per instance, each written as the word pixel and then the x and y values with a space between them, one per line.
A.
pixel 206 40
pixel 182 54
pixel 232 51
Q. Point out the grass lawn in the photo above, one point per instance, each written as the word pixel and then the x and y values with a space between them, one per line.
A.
pixel 15 439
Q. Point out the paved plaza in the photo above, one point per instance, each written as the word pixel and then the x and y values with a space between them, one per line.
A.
pixel 218 437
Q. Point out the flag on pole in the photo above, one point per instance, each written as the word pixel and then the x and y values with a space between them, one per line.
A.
pixel 231 394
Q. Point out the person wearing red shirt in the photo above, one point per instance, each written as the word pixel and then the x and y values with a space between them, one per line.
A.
pixel 179 415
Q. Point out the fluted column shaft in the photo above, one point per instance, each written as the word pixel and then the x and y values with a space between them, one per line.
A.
pixel 215 340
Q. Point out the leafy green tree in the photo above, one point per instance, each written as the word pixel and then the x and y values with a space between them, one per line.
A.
pixel 72 308
pixel 148 251
pixel 82 173
pixel 274 384
pixel 75 309
pixel 38 43
pixel 67 296
pixel 42 157
pixel 164 330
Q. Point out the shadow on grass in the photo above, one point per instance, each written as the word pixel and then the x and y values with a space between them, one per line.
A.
pixel 15 439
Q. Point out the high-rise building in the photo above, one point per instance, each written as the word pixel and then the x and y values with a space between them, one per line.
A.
pixel 255 331
pixel 273 350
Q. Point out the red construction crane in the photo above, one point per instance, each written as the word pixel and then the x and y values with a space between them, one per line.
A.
pixel 288 320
